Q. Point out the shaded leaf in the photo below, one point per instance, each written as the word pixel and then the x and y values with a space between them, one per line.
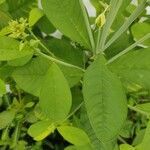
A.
pixel 67 16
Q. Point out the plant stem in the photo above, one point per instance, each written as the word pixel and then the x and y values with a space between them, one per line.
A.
pixel 126 24
pixel 88 27
pixel 16 135
pixel 122 140
pixel 138 110
pixel 41 44
pixel 114 8
pixel 74 111
pixel 58 61
pixel 147 36
pixel 98 39
pixel 6 100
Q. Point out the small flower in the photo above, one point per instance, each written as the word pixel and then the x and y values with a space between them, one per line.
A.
pixel 17 28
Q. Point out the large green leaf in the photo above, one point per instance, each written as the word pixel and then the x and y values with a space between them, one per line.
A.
pixel 11 51
pixel 67 16
pixel 133 69
pixel 55 95
pixel 20 8
pixel 74 135
pixel 96 143
pixel 104 100
pixel 30 77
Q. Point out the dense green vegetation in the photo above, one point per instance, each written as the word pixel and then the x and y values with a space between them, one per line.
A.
pixel 86 89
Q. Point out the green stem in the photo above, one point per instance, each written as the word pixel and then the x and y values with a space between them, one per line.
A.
pixel 126 24
pixel 88 27
pixel 147 36
pixel 75 110
pixel 6 100
pixel 98 39
pixel 122 140
pixel 16 135
pixel 58 61
pixel 137 110
pixel 41 44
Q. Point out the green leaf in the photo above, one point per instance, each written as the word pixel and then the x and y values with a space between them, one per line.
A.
pixel 34 16
pixel 139 30
pixel 67 16
pixel 74 135
pixel 72 75
pixel 6 118
pixel 30 77
pixel 2 88
pixel 126 147
pixel 96 143
pixel 45 25
pixel 20 61
pixel 145 142
pixel 5 18
pixel 54 94
pixel 63 50
pixel 85 147
pixel 11 51
pixel 104 100
pixel 133 69
pixel 20 8
pixel 41 130
pixel 144 107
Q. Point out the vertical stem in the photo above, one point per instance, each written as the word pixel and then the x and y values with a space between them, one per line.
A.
pixel 98 39
pixel 88 27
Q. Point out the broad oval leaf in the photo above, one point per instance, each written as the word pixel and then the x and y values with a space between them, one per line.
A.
pixel 105 100
pixel 41 130
pixel 67 16
pixel 74 135
pixel 11 51
pixel 30 77
pixel 55 95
